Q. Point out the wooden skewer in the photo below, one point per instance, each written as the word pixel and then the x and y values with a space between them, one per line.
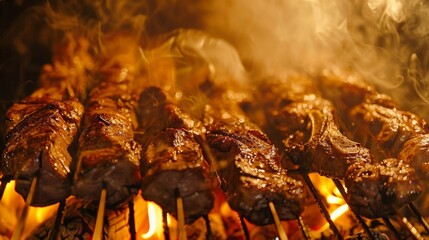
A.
pixel 403 221
pixel 18 230
pixel 181 219
pixel 99 222
pixel 280 229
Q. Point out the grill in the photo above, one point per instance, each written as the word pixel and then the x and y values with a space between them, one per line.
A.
pixel 135 219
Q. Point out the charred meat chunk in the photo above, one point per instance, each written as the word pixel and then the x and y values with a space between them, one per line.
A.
pixel 315 143
pixel 108 155
pixel 376 121
pixel 173 164
pixel 248 165
pixel 41 129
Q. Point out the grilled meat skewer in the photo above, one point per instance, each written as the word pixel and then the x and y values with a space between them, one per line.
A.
pixel 108 155
pixel 375 120
pixel 41 128
pixel 303 124
pixel 173 164
pixel 249 171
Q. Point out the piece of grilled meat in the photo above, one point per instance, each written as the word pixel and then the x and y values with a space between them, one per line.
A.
pixel 108 156
pixel 303 124
pixel 172 163
pixel 249 167
pixel 42 127
pixel 375 120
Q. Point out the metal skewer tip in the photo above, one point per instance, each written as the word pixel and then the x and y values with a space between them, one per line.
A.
pixel 280 229
pixel 99 222
pixel 181 219
pixel 20 226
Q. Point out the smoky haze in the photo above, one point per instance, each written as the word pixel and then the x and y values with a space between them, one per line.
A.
pixel 385 41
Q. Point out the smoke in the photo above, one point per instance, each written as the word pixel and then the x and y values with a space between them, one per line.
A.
pixel 385 41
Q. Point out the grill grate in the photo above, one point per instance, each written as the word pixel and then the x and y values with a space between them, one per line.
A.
pixel 403 226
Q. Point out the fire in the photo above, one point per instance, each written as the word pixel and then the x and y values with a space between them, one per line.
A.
pixel 332 195
pixel 12 204
pixel 155 222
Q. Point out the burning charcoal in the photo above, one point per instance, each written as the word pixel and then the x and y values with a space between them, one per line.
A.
pixel 78 223
pixel 361 236
pixel 198 229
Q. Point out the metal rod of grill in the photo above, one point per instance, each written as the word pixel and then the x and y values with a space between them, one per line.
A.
pixel 165 225
pixel 304 228
pixel 131 220
pixel 244 227
pixel 18 230
pixel 53 232
pixel 391 227
pixel 365 227
pixel 322 206
pixel 419 216
pixel 3 183
pixel 209 228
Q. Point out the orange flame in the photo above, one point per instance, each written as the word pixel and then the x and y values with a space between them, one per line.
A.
pixel 155 222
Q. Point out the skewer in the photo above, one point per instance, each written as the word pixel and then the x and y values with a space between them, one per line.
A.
pixel 362 222
pixel 319 201
pixel 131 220
pixel 391 227
pixel 409 226
pixel 208 154
pixel 209 228
pixel 165 223
pixel 18 230
pixel 280 229
pixel 3 183
pixel 181 219
pixel 304 228
pixel 245 229
pixel 53 232
pixel 421 219
pixel 99 222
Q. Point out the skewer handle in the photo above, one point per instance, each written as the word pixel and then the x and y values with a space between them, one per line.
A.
pixel 99 223
pixel 181 219
pixel 20 226
pixel 280 229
